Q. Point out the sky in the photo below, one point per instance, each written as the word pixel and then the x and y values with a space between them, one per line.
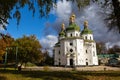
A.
pixel 47 29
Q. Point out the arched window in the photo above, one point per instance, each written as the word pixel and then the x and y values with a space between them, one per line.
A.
pixel 76 34
pixel 59 52
pixel 71 43
pixel 71 50
pixel 85 37
pixel 90 38
pixel 71 35
pixel 59 63
pixel 93 53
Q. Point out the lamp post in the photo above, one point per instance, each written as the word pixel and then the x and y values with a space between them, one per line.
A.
pixel 16 58
pixel 5 59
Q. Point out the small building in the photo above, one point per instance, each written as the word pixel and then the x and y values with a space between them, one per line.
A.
pixel 75 47
pixel 109 59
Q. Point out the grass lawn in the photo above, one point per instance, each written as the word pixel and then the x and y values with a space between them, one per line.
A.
pixel 11 74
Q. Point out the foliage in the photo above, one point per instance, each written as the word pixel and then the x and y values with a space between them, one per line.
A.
pixel 114 49
pixel 4 43
pixel 48 60
pixel 113 18
pixel 28 49
pixel 100 46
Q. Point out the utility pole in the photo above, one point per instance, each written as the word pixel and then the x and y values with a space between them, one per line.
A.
pixel 5 59
pixel 16 64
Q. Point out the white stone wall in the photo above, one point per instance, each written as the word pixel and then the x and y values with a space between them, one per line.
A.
pixel 80 52
pixel 87 37
pixel 94 53
pixel 62 50
pixel 88 53
pixel 56 55
pixel 73 33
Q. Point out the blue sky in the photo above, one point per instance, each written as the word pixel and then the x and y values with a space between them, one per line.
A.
pixel 28 24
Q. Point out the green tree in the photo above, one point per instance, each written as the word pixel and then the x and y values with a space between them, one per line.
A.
pixel 44 7
pixel 28 49
pixel 100 46
pixel 5 41
pixel 48 60
pixel 114 49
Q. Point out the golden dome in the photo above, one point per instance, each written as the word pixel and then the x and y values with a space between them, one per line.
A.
pixel 63 26
pixel 73 15
pixel 72 18
pixel 86 23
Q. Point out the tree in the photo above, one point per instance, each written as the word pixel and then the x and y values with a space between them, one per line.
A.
pixel 4 43
pixel 48 60
pixel 114 49
pixel 28 49
pixel 100 47
pixel 44 7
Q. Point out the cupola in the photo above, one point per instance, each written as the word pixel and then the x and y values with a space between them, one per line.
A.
pixel 72 24
pixel 86 30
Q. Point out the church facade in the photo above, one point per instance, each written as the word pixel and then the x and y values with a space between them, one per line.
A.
pixel 75 47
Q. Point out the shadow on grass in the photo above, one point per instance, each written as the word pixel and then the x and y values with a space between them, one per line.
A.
pixel 47 75
pixel 62 75
pixel 101 73
pixel 2 78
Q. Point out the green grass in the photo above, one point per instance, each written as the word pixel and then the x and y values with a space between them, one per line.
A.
pixel 11 74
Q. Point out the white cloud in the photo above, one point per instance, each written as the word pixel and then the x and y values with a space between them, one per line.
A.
pixel 1 28
pixel 48 42
pixel 63 9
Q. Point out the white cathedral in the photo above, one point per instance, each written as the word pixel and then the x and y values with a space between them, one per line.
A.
pixel 75 47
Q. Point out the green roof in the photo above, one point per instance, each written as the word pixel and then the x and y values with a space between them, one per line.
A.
pixel 57 44
pixel 108 56
pixel 66 38
pixel 62 34
pixel 86 31
pixel 89 40
pixel 73 26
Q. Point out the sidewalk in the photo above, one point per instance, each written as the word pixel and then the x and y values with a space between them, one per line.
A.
pixel 92 68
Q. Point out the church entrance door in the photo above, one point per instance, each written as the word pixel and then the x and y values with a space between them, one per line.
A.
pixel 86 63
pixel 71 62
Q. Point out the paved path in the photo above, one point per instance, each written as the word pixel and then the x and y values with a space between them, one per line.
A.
pixel 92 68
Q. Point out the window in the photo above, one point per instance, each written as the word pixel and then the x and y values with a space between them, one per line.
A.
pixel 59 52
pixel 71 44
pixel 86 51
pixel 90 37
pixel 76 34
pixel 71 35
pixel 59 63
pixel 93 53
pixel 71 50
pixel 85 37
